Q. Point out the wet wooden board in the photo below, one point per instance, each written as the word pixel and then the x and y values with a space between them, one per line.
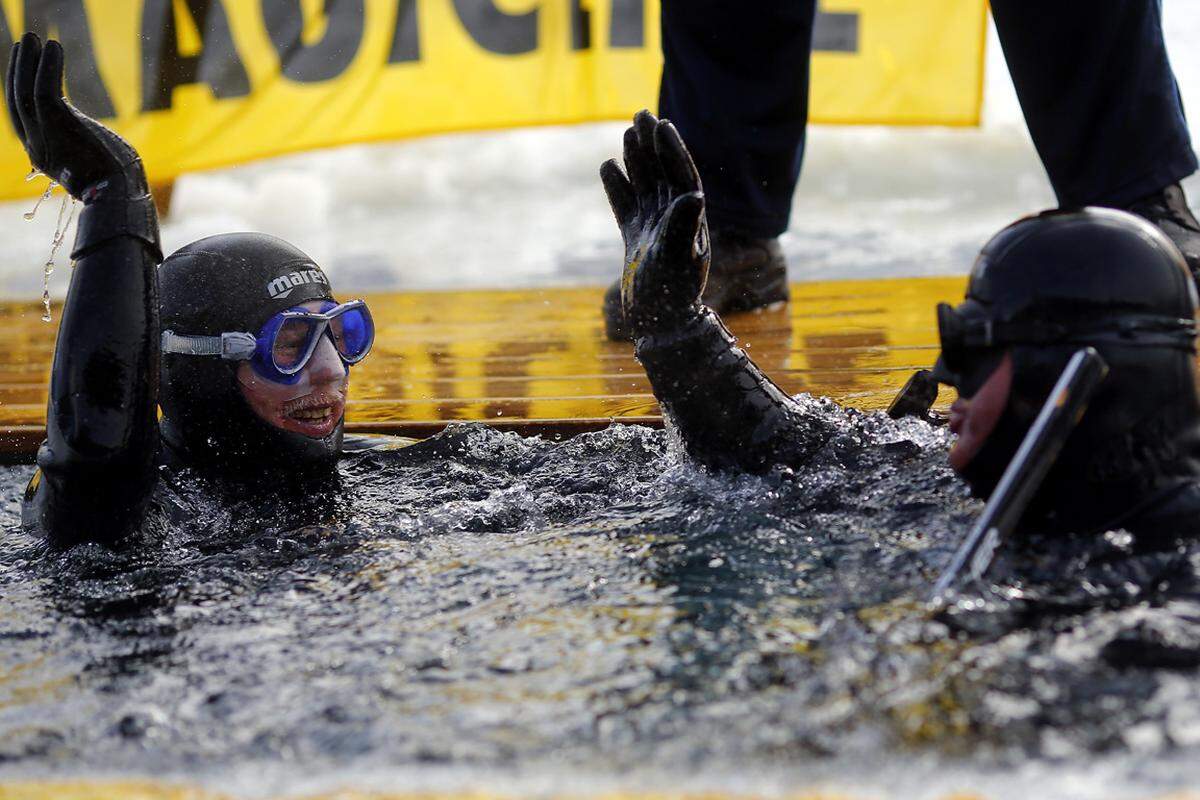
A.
pixel 536 361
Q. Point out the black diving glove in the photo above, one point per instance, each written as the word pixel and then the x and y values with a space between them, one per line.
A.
pixel 91 162
pixel 660 210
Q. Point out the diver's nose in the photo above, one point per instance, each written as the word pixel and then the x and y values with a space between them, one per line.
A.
pixel 326 366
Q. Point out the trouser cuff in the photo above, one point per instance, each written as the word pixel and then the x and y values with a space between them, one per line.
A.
pixel 1179 163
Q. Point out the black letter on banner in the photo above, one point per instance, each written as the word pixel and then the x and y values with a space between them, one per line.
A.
pixel 492 29
pixel 835 32
pixel 581 26
pixel 329 57
pixel 164 67
pixel 406 44
pixel 628 23
pixel 6 41
pixel 66 20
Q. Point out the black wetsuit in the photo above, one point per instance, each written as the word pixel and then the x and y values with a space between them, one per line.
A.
pixel 730 415
pixel 1042 288
pixel 98 464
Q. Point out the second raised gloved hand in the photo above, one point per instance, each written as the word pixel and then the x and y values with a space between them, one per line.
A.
pixel 659 206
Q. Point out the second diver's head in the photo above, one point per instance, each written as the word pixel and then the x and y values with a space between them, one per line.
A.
pixel 1042 288
pixel 256 355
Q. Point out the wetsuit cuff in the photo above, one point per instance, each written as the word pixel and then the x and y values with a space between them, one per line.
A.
pixel 106 218
pixel 704 323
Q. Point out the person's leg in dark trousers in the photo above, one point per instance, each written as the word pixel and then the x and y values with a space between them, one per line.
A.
pixel 735 84
pixel 1103 107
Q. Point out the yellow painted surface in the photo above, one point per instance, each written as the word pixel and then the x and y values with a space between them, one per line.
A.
pixel 913 62
pixel 536 357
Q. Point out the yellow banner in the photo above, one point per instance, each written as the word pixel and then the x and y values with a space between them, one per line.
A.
pixel 197 84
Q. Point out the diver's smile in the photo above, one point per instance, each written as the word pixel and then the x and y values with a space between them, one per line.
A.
pixel 313 415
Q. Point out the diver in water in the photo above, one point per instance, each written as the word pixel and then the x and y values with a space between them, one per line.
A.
pixel 1042 288
pixel 255 349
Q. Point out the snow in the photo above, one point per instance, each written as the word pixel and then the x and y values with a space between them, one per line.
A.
pixel 525 208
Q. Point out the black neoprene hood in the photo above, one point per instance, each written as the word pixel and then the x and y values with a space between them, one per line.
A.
pixel 1052 283
pixel 1108 261
pixel 231 283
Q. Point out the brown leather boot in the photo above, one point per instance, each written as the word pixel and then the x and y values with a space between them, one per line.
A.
pixel 746 273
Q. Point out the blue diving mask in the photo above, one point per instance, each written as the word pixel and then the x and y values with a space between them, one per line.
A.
pixel 288 340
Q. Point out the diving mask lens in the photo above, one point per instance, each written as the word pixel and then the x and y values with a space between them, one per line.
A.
pixel 951 335
pixel 294 334
pixel 293 343
pixel 967 357
pixel 353 333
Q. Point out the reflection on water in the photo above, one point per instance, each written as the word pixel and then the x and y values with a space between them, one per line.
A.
pixel 487 600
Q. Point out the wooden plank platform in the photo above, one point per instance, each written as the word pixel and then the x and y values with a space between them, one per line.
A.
pixel 537 360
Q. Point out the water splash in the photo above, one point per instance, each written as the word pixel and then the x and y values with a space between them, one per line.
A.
pixel 484 601
pixel 65 218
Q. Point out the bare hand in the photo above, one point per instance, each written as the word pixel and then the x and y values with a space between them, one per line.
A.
pixel 660 210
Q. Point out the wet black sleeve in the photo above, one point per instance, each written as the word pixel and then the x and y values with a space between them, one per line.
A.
pixel 727 412
pixel 96 468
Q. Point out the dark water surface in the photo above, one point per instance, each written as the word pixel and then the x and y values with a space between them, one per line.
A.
pixel 483 601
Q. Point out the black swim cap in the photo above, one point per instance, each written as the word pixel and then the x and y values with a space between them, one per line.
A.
pixel 1044 287
pixel 232 282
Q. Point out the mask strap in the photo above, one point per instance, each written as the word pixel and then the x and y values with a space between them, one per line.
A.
pixel 229 346
pixel 1147 331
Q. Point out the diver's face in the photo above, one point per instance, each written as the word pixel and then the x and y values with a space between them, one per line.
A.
pixel 313 405
pixel 974 418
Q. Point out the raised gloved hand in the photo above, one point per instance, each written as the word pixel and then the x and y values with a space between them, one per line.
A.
pixel 660 210
pixel 91 162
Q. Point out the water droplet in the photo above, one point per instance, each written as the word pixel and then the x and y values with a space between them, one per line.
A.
pixel 46 272
pixel 30 214
pixel 65 219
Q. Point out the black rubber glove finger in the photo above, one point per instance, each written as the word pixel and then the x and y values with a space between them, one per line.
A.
pixel 685 240
pixel 637 165
pixel 10 94
pixel 620 193
pixel 26 73
pixel 80 149
pixel 676 162
pixel 61 130
pixel 645 124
